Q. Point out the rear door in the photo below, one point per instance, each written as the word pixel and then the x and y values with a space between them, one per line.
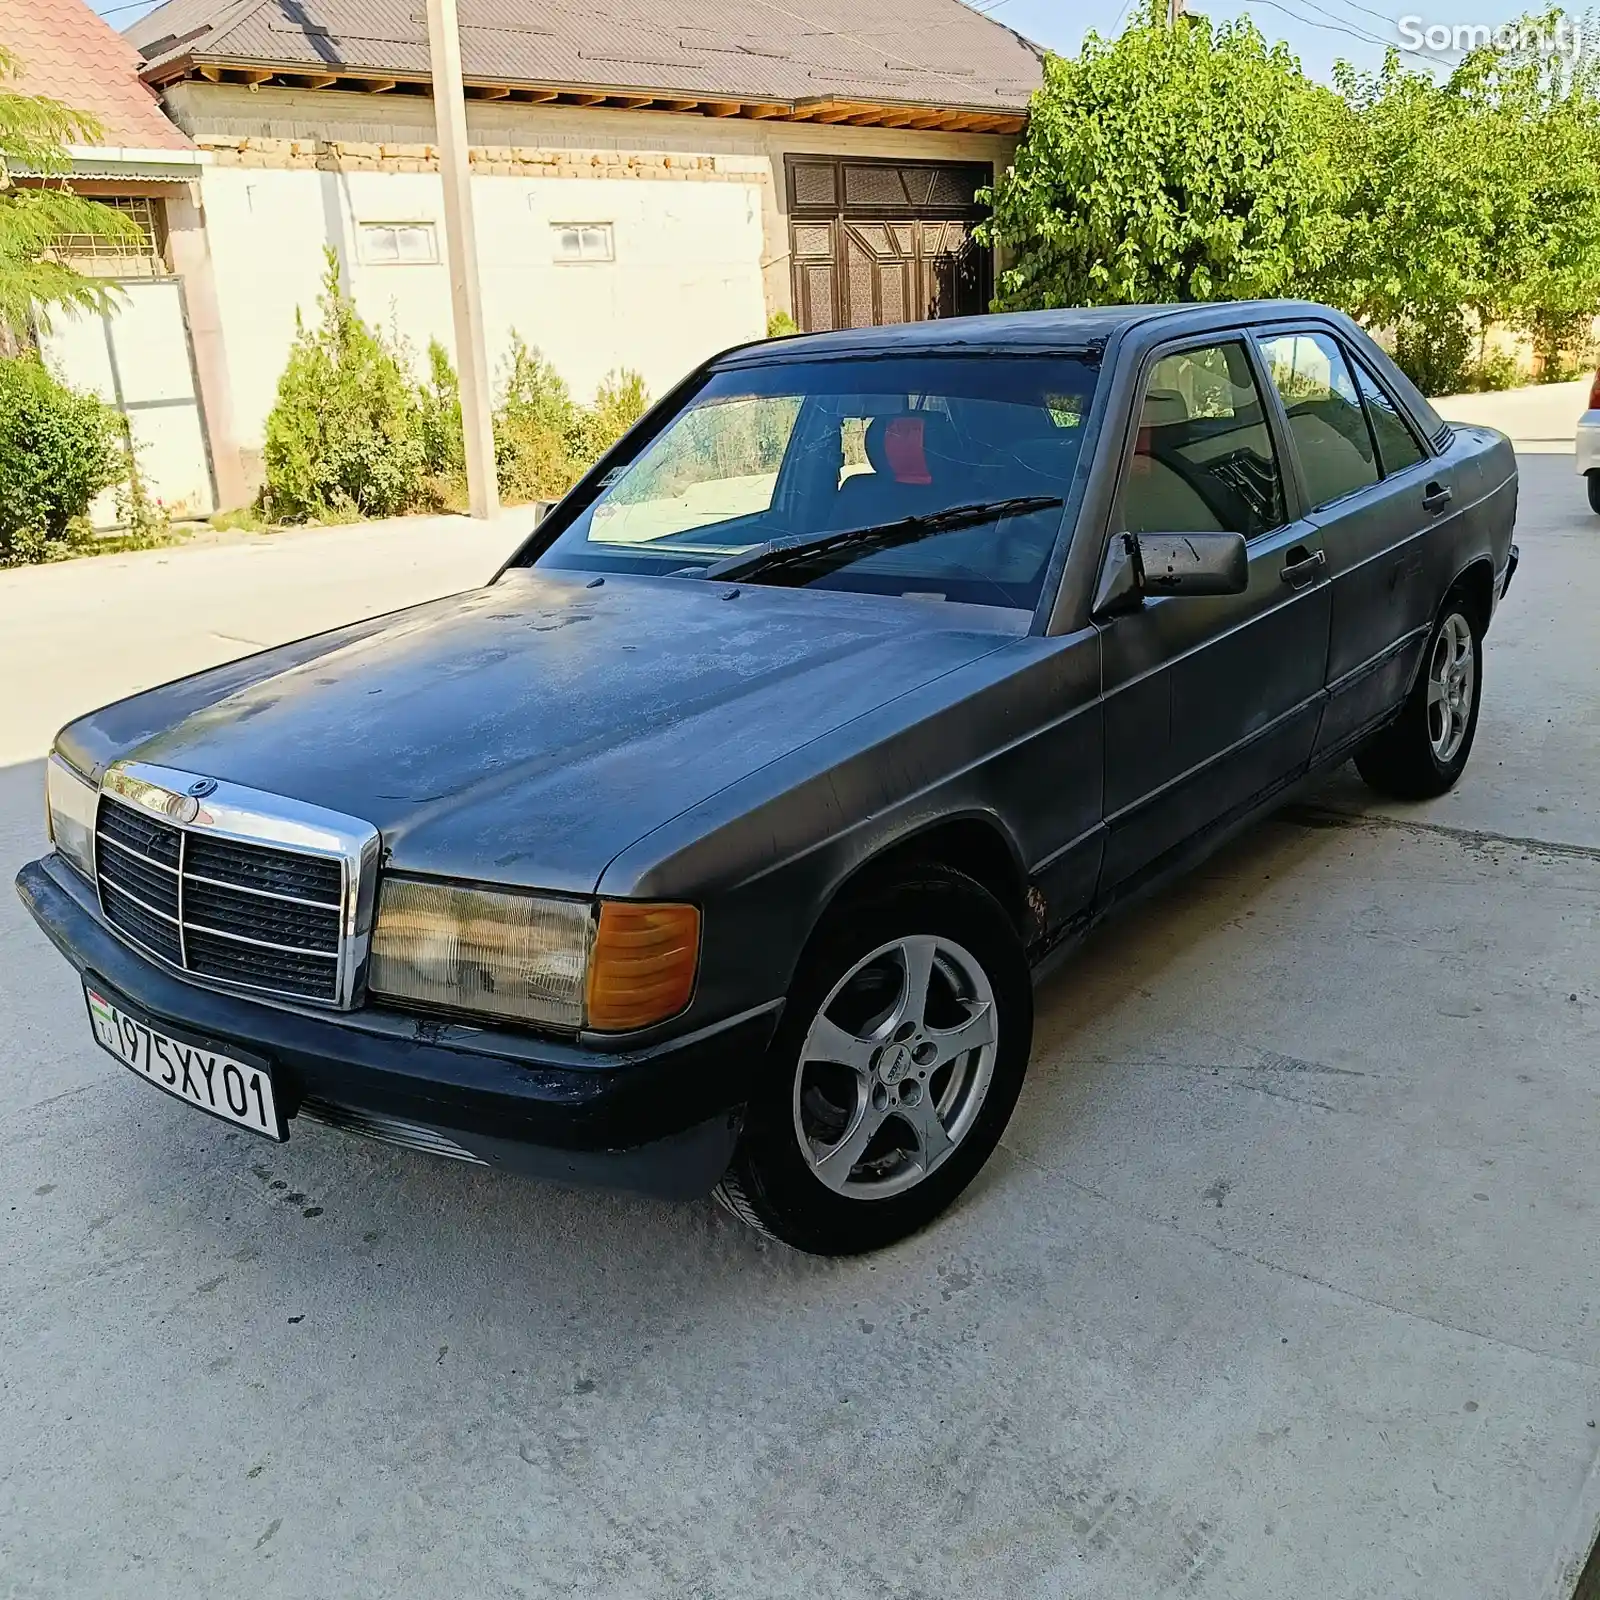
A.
pixel 1373 491
pixel 1210 703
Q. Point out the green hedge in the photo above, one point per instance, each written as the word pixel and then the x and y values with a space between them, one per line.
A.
pixel 352 435
pixel 58 450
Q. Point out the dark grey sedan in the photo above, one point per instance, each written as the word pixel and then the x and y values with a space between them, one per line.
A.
pixel 715 843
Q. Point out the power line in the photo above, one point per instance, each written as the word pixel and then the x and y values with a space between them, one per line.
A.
pixel 1336 26
pixel 1332 16
pixel 1327 27
pixel 1355 5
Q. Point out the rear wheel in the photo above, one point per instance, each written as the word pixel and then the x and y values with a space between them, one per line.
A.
pixel 1424 751
pixel 1593 480
pixel 895 1070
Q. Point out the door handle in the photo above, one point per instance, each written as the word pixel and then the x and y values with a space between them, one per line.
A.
pixel 1436 496
pixel 1303 565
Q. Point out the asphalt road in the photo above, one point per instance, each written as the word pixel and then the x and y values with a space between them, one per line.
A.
pixel 1283 1282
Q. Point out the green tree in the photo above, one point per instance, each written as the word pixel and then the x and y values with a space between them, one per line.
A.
pixel 1540 112
pixel 37 208
pixel 344 436
pixel 1173 163
pixel 1416 208
pixel 1472 201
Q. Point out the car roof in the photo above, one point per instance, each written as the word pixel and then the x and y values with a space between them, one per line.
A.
pixel 1070 328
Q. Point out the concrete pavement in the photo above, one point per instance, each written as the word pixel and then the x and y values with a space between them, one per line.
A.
pixel 76 634
pixel 1282 1283
pixel 1540 418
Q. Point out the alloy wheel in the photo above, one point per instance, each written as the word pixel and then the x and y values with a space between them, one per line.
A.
pixel 895 1066
pixel 1452 671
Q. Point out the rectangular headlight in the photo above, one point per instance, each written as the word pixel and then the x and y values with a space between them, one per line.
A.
pixel 71 804
pixel 500 952
pixel 613 965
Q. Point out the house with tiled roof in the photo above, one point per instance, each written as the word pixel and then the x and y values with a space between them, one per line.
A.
pixel 68 53
pixel 157 353
pixel 653 179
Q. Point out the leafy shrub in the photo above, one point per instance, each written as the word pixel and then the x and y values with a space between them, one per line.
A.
pixel 58 450
pixel 619 402
pixel 780 325
pixel 1433 348
pixel 439 416
pixel 345 436
pixel 143 517
pixel 1499 370
pixel 443 445
pixel 544 440
pixel 352 434
pixel 536 427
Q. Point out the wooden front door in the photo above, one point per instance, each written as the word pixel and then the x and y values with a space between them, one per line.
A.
pixel 875 242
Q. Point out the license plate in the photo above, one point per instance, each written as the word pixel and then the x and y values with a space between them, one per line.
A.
pixel 237 1091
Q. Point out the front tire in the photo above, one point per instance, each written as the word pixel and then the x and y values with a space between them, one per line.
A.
pixel 894 1072
pixel 1593 480
pixel 1422 753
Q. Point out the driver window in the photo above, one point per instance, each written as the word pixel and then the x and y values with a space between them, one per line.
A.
pixel 1203 460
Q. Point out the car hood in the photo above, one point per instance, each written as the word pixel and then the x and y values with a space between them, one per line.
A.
pixel 529 731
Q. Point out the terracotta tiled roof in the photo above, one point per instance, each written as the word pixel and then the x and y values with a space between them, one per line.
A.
pixel 70 54
pixel 905 52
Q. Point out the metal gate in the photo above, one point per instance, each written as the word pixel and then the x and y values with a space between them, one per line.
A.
pixel 875 242
pixel 138 357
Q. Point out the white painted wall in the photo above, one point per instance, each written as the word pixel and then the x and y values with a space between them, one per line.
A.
pixel 698 264
pixel 685 281
pixel 136 355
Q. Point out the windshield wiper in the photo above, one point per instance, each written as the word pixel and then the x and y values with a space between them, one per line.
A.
pixel 881 535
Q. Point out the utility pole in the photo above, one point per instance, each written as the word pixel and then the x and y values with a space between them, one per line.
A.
pixel 461 254
pixel 1174 11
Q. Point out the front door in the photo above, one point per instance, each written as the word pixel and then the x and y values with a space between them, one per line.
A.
pixel 1210 703
pixel 876 242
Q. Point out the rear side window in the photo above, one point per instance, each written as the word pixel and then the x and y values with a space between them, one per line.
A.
pixel 1203 460
pixel 1326 419
pixel 1397 445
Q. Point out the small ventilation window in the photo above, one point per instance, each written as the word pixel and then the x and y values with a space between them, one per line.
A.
pixel 583 241
pixel 399 243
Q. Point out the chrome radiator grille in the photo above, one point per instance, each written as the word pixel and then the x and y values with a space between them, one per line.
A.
pixel 244 914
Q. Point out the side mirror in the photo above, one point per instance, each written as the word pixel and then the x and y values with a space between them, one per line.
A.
pixel 1138 565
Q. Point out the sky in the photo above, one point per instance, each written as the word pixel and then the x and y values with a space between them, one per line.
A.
pixel 1319 32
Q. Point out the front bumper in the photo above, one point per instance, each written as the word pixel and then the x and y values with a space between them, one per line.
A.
pixel 662 1119
pixel 1513 560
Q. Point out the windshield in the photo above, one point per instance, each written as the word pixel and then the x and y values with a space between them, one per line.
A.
pixel 799 450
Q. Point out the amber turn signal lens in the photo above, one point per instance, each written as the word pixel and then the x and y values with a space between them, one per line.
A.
pixel 642 964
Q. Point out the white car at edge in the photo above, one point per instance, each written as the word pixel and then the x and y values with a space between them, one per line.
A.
pixel 1589 444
